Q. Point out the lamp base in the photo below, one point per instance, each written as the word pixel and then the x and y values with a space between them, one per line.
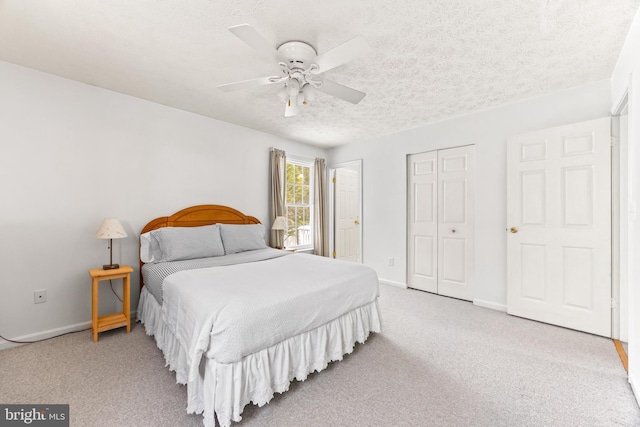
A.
pixel 110 266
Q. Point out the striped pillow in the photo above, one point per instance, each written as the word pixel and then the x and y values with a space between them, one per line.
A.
pixel 179 243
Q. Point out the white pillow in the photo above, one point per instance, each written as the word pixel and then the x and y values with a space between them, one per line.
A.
pixel 179 243
pixel 242 237
pixel 149 249
pixel 146 251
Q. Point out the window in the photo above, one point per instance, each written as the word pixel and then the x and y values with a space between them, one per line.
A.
pixel 299 204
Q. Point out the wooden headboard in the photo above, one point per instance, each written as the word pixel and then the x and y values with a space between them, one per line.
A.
pixel 195 216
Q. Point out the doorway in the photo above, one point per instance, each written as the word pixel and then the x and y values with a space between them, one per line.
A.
pixel 627 268
pixel 621 215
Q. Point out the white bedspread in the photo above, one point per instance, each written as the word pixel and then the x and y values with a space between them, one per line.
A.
pixel 233 311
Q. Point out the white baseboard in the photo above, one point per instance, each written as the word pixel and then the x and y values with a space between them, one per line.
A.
pixel 38 336
pixel 392 283
pixel 489 304
pixel 478 302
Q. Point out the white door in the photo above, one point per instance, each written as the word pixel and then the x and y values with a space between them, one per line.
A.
pixel 422 248
pixel 440 217
pixel 456 169
pixel 347 215
pixel 559 219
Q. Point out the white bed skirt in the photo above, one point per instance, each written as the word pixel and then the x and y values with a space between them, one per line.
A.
pixel 224 389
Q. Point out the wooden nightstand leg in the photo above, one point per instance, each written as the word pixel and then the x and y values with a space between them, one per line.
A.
pixel 126 302
pixel 94 309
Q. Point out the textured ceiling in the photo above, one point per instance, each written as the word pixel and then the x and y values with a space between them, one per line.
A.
pixel 431 59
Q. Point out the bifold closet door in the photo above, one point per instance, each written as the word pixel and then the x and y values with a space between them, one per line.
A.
pixel 440 218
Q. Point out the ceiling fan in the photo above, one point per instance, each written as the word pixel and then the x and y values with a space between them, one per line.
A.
pixel 300 65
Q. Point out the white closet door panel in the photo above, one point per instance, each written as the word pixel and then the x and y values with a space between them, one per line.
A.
pixel 455 222
pixel 422 268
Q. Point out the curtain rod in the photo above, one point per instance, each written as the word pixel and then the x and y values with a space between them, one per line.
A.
pixel 296 157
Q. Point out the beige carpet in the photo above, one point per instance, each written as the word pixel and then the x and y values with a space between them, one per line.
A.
pixel 439 362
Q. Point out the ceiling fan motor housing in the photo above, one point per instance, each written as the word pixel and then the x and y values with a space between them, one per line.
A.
pixel 298 54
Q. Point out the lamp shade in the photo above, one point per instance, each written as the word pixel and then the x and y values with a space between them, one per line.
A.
pixel 280 223
pixel 111 229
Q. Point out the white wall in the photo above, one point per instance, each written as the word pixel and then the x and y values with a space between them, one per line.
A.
pixel 384 178
pixel 626 79
pixel 73 154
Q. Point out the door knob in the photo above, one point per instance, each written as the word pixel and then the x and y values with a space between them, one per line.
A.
pixel 356 222
pixel 514 229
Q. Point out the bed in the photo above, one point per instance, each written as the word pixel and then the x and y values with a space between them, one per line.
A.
pixel 238 321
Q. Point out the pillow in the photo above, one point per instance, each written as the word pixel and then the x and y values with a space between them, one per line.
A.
pixel 148 247
pixel 178 243
pixel 242 237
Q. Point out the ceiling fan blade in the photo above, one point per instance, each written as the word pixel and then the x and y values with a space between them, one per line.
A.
pixel 249 84
pixel 253 38
pixel 340 91
pixel 291 109
pixel 347 51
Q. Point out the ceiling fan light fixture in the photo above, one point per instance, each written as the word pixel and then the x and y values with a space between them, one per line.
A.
pixel 309 93
pixel 294 87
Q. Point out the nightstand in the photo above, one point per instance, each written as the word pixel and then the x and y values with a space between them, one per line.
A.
pixel 114 320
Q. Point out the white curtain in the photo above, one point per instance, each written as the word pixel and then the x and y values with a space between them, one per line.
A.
pixel 320 225
pixel 278 174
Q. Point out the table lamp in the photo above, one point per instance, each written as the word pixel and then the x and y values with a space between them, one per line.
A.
pixel 110 229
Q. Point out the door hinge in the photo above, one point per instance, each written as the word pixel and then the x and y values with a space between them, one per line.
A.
pixel 614 303
pixel 333 180
pixel 334 254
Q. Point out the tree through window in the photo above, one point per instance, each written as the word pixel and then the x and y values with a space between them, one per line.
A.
pixel 299 203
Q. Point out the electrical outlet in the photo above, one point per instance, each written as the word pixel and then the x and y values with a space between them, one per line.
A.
pixel 40 296
pixel 390 262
